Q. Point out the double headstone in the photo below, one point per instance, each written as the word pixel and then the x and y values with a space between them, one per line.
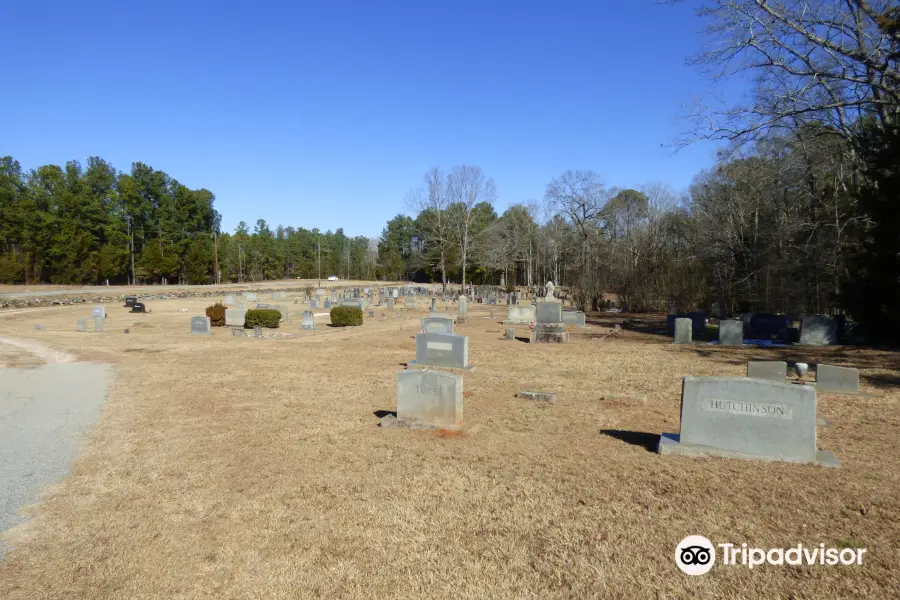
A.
pixel 308 321
pixel 442 350
pixel 200 326
pixel 521 314
pixel 739 417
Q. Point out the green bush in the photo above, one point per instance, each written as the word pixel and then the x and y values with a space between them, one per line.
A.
pixel 342 316
pixel 264 317
pixel 216 314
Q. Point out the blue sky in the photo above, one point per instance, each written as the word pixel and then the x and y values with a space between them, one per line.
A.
pixel 324 114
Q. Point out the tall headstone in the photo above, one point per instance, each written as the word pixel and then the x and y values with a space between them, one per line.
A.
pixel 200 326
pixel 433 303
pixel 731 332
pixel 442 350
pixel 818 331
pixel 549 327
pixel 234 317
pixel 430 398
pixel 738 417
pixel 683 331
pixel 308 321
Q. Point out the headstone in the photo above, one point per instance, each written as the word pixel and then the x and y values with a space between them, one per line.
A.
pixel 285 315
pixel 770 370
pixel 313 303
pixel 437 324
pixel 308 321
pixel 463 305
pixel 433 303
pixel 837 380
pixel 230 300
pixel 138 308
pixel 98 324
pixel 739 417
pixel 549 312
pixel 81 325
pixel 548 397
pixel 510 334
pixel 731 332
pixel 522 314
pixel 430 398
pixel 353 303
pixel 99 312
pixel 250 297
pixel 200 326
pixel 257 331
pixel 549 327
pixel 238 332
pixel 39 327
pixel 698 322
pixel 390 303
pixel 234 317
pixel 395 293
pixel 327 302
pixel 242 305
pixel 442 350
pixel 818 331
pixel 129 301
pixel 683 331
pixel 766 326
pixel 371 314
pixel 573 317
pixel 263 306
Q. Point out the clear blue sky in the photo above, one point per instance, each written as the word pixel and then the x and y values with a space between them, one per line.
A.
pixel 324 114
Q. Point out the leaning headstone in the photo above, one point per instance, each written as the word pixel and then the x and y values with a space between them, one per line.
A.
pixel 737 417
pixel 234 317
pixel 81 325
pixel 238 332
pixel 573 317
pixel 129 301
pixel 770 370
pixel 683 331
pixel 138 308
pixel 818 331
pixel 731 332
pixel 98 324
pixel 435 324
pixel 200 326
pixel 99 312
pixel 520 314
pixel 837 380
pixel 430 399
pixel 442 350
pixel 308 322
pixel 510 334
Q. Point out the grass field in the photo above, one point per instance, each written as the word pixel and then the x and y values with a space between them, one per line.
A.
pixel 230 467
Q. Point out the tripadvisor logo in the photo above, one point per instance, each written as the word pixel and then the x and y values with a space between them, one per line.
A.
pixel 696 555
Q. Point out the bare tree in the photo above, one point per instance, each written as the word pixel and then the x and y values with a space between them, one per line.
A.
pixel 468 187
pixel 432 204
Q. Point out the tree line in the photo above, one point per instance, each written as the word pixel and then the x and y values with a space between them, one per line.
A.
pixel 796 216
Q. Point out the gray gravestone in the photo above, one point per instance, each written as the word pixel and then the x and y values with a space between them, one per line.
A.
pixel 98 324
pixel 81 325
pixel 522 314
pixel 285 316
pixel 837 380
pixel 313 303
pixel 770 370
pixel 238 332
pixel 327 303
pixel 431 398
pixel 200 326
pixel 354 303
pixel 738 417
pixel 263 306
pixel 442 350
pixel 731 332
pixel 682 331
pixel 230 300
pixel 234 317
pixel 257 331
pixel 250 297
pixel 436 324
pixel 510 334
pixel 549 312
pixel 371 314
pixel 818 331
pixel 99 312
pixel 433 303
pixel 308 321
pixel 390 303
pixel 573 317
pixel 463 305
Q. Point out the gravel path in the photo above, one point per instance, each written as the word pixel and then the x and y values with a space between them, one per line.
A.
pixel 43 414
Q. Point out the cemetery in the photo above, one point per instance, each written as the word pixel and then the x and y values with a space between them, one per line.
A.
pixel 381 442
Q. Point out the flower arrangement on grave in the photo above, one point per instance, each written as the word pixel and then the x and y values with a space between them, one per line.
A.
pixel 531 325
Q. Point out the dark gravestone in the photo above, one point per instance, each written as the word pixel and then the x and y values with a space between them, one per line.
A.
pixel 765 326
pixel 138 307
pixel 129 301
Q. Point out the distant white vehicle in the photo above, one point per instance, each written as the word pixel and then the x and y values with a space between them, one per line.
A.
pixel 333 278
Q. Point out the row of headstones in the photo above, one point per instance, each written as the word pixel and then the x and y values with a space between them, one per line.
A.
pixel 814 330
pixel 830 379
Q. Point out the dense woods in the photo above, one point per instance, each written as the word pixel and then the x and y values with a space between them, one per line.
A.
pixel 797 215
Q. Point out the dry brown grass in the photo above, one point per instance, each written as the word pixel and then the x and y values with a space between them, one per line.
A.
pixel 239 468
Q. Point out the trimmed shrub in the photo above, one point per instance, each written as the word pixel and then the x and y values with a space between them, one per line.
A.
pixel 264 317
pixel 343 316
pixel 216 314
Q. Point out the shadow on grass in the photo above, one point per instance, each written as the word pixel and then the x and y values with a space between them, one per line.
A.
pixel 647 441
pixel 526 340
pixel 383 413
